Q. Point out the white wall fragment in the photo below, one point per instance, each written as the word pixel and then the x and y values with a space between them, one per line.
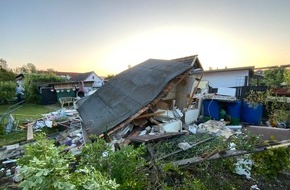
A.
pixel 191 116
pixel 173 126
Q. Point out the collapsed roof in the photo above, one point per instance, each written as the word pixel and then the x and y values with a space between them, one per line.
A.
pixel 128 93
pixel 190 60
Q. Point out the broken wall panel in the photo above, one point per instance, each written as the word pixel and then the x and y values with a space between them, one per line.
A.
pixel 170 95
pixel 127 93
pixel 184 91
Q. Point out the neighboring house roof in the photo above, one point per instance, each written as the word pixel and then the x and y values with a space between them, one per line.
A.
pixel 126 94
pixel 71 74
pixel 76 76
pixel 82 76
pixel 190 60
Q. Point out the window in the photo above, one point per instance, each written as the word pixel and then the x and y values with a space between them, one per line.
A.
pixel 240 80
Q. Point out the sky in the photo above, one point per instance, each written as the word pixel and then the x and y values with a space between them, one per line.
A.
pixel 108 36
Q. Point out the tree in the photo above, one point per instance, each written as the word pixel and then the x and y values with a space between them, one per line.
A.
pixel 28 68
pixel 31 68
pixel 50 70
pixel 287 77
pixel 3 64
pixel 5 73
pixel 274 77
pixel 31 82
pixel 108 77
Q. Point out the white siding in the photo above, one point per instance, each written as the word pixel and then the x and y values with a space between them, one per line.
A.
pixel 226 78
pixel 98 82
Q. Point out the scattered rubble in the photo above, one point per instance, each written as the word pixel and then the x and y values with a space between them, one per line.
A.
pixel 68 132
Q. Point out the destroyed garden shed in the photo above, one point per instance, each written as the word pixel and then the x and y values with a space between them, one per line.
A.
pixel 131 93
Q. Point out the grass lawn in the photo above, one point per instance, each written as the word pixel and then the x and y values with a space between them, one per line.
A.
pixel 23 113
pixel 29 111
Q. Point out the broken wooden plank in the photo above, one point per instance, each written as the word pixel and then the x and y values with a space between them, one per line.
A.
pixel 126 122
pixel 29 132
pixel 151 138
pixel 191 146
pixel 134 133
pixel 140 122
pixel 193 93
pixel 229 153
pixel 150 114
pixel 154 121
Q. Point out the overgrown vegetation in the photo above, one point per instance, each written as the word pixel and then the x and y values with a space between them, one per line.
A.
pixel 276 108
pixel 274 77
pixel 31 83
pixel 110 76
pixel 11 138
pixel 254 98
pixel 6 75
pixel 46 166
pixel 271 162
pixel 7 91
pixel 126 166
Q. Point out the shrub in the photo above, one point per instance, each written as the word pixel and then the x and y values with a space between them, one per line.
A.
pixel 6 75
pixel 31 83
pixel 124 165
pixel 45 166
pixel 7 91
pixel 271 162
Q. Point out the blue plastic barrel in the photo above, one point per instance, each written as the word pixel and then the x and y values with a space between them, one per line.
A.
pixel 234 110
pixel 211 109
pixel 252 114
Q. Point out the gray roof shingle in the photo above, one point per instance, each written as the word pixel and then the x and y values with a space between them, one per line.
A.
pixel 127 93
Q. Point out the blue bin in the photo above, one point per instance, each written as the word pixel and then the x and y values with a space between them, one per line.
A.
pixel 234 110
pixel 211 109
pixel 252 114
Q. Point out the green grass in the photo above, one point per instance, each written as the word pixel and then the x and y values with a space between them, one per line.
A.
pixel 12 138
pixel 23 113
pixel 29 111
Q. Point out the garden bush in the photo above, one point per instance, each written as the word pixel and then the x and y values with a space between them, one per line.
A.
pixel 7 91
pixel 46 166
pixel 32 82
